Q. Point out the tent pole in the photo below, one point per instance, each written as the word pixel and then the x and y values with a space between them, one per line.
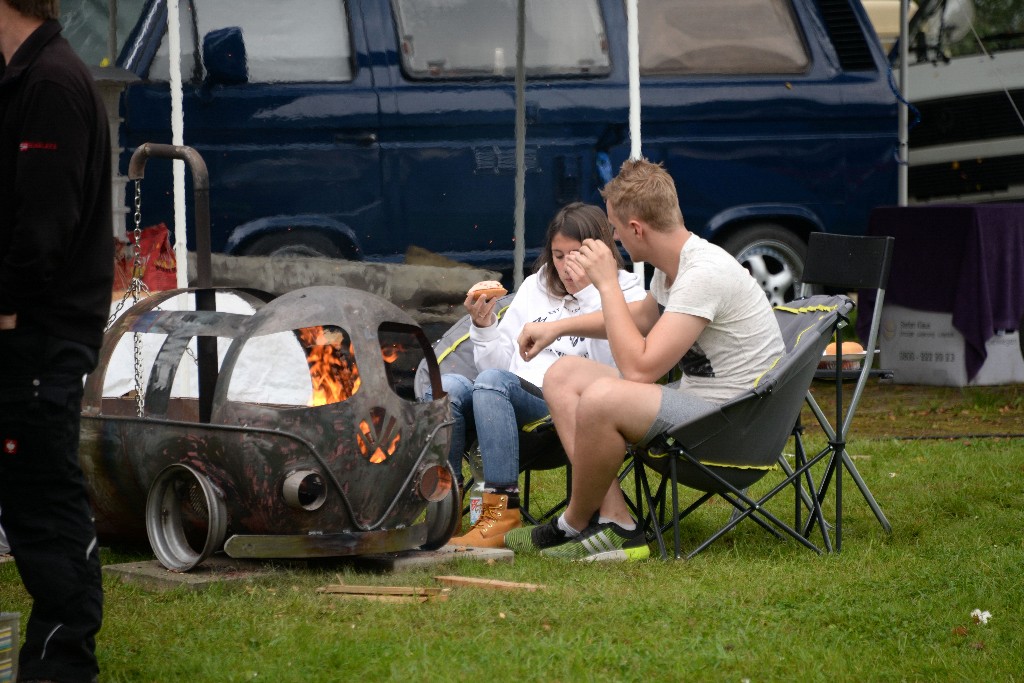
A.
pixel 633 44
pixel 177 139
pixel 519 252
pixel 904 157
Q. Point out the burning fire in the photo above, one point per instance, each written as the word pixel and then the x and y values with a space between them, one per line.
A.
pixel 332 370
pixel 380 439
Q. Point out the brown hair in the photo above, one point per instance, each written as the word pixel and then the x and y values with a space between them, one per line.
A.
pixel 38 9
pixel 577 221
pixel 645 191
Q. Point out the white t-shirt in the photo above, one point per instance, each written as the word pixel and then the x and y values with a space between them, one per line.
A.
pixel 497 346
pixel 742 338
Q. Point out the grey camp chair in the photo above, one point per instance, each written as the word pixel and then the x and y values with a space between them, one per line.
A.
pixel 846 263
pixel 539 446
pixel 725 451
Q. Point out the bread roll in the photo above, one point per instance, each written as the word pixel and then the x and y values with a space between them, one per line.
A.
pixel 489 289
pixel 849 347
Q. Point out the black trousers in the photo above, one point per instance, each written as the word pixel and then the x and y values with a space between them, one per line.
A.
pixel 43 502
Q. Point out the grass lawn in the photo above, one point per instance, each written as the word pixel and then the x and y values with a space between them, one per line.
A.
pixel 887 608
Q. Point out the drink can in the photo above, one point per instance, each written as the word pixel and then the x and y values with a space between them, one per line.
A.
pixel 476 506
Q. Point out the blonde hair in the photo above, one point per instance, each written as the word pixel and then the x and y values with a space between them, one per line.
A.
pixel 645 191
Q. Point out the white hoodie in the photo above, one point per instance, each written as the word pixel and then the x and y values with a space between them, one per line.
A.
pixel 497 346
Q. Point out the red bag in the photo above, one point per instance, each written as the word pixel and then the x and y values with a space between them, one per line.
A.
pixel 157 260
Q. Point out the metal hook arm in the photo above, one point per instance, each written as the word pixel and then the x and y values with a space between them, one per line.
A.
pixel 201 193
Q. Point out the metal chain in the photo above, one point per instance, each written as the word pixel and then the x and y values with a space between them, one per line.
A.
pixel 136 287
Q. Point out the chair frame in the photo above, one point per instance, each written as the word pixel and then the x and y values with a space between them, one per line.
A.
pixel 850 263
pixel 537 428
pixel 796 367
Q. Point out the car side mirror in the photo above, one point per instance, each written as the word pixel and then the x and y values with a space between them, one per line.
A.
pixel 224 57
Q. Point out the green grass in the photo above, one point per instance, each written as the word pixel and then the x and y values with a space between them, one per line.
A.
pixel 887 608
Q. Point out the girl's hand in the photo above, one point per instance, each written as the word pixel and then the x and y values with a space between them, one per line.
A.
pixel 481 310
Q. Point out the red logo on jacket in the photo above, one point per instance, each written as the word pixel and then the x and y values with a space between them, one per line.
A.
pixel 27 145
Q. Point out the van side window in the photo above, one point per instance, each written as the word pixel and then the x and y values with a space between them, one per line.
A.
pixel 445 39
pixel 680 37
pixel 300 41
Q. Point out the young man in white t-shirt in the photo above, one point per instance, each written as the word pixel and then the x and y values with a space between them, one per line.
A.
pixel 716 318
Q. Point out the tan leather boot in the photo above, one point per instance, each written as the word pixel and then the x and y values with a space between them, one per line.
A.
pixel 496 518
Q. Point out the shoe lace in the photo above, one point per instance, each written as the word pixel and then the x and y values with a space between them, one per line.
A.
pixel 488 516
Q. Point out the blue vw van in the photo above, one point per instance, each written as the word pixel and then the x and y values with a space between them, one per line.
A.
pixel 360 128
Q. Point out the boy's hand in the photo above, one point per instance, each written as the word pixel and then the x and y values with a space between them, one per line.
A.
pixel 597 261
pixel 534 338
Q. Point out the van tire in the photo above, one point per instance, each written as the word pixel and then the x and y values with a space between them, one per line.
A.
pixel 295 243
pixel 773 255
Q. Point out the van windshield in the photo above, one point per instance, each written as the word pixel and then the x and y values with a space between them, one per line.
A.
pixel 94 37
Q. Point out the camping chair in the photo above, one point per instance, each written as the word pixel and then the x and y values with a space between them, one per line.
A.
pixel 539 446
pixel 849 263
pixel 723 452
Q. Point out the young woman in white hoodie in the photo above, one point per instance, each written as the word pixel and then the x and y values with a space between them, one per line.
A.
pixel 506 393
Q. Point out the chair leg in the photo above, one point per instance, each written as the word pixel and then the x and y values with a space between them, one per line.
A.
pixel 554 509
pixel 872 503
pixel 753 506
pixel 806 497
pixel 643 486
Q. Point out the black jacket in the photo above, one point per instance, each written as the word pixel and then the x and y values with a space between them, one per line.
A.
pixel 56 232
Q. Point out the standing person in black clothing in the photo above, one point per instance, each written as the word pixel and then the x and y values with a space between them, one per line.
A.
pixel 56 274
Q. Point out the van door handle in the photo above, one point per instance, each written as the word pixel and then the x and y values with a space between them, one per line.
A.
pixel 364 139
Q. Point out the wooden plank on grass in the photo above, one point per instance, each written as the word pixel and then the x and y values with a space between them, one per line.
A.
pixel 440 597
pixel 378 590
pixel 491 584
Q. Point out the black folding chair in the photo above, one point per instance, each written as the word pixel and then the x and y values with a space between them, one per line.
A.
pixel 725 451
pixel 848 263
pixel 539 446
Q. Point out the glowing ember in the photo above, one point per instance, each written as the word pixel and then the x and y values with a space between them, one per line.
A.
pixel 332 369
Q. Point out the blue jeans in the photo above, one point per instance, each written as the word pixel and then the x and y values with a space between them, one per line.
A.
pixel 495 405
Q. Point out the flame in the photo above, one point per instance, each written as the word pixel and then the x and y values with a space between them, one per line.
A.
pixel 371 439
pixel 391 352
pixel 335 376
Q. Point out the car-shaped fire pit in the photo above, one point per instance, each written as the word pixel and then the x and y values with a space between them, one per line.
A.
pixel 354 465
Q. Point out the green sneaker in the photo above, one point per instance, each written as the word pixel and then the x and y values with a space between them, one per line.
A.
pixel 530 539
pixel 602 543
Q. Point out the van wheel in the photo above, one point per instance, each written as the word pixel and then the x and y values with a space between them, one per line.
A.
pixel 292 243
pixel 773 255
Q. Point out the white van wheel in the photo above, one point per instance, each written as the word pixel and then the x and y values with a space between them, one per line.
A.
pixel 184 510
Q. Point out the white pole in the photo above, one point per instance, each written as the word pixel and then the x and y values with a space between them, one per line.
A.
pixel 519 248
pixel 904 155
pixel 633 35
pixel 187 370
pixel 177 138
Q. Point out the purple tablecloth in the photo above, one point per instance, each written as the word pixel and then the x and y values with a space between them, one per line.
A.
pixel 967 260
